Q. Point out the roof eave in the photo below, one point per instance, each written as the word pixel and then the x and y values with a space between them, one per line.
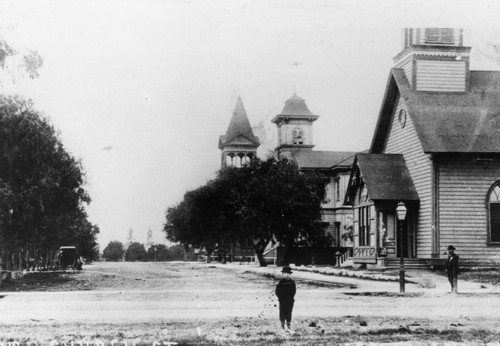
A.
pixel 310 117
pixel 397 83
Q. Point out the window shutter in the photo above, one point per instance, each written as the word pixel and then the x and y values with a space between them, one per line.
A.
pixel 432 35
pixel 447 35
pixel 437 35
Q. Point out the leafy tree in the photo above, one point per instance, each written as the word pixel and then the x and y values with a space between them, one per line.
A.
pixel 206 218
pixel 282 204
pixel 113 251
pixel 191 221
pixel 42 205
pixel 135 252
pixel 263 202
pixel 157 253
pixel 19 62
pixel 176 253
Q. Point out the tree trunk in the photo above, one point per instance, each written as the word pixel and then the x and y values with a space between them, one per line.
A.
pixel 260 257
pixel 209 256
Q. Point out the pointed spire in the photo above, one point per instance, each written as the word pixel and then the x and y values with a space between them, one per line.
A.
pixel 239 125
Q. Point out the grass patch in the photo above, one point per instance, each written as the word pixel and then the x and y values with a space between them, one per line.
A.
pixel 41 281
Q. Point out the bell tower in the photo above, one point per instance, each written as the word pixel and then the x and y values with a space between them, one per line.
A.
pixel 295 130
pixel 434 59
pixel 239 145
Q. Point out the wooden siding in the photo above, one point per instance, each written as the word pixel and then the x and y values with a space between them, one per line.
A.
pixel 405 141
pixel 436 75
pixel 463 186
pixel 407 66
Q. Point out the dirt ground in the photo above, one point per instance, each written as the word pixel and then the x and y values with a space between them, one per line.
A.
pixel 203 304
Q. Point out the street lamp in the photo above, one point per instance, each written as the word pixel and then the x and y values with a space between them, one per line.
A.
pixel 401 214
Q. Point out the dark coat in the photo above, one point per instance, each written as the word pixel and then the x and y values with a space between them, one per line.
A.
pixel 452 264
pixel 285 290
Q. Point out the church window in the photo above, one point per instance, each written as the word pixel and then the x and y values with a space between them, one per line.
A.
pixel 493 202
pixel 439 35
pixel 298 137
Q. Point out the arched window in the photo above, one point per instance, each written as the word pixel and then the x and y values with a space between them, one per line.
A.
pixel 493 202
pixel 229 160
pixel 298 137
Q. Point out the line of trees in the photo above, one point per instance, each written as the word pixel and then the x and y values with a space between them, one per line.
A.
pixel 42 197
pixel 266 201
pixel 115 251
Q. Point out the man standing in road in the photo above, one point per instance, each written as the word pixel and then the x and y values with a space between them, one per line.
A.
pixel 285 290
pixel 452 268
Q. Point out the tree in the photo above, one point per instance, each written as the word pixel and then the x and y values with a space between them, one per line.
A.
pixel 42 204
pixel 157 253
pixel 282 204
pixel 135 252
pixel 19 62
pixel 263 202
pixel 191 222
pixel 176 253
pixel 113 251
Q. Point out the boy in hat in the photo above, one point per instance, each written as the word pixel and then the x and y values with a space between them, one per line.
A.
pixel 285 290
pixel 452 268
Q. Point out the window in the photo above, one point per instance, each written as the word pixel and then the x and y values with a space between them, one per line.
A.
pixel 364 226
pixel 439 35
pixel 298 137
pixel 494 213
pixel 337 190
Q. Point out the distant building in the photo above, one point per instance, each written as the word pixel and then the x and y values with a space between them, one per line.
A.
pixel 238 146
pixel 295 142
pixel 436 148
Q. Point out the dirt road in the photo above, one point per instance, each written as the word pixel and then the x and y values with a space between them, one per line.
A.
pixel 192 303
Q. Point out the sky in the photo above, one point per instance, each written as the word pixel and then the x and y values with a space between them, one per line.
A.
pixel 140 91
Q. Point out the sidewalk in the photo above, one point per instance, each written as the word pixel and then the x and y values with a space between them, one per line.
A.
pixel 371 281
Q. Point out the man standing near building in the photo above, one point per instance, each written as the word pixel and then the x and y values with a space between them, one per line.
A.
pixel 285 290
pixel 452 268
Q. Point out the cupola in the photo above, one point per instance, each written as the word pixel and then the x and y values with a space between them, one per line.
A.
pixel 295 125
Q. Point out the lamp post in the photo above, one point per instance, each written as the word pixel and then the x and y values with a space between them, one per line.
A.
pixel 401 214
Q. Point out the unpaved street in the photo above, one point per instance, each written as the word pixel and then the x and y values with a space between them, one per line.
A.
pixel 196 303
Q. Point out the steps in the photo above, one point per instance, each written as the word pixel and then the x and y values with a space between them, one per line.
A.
pixel 409 263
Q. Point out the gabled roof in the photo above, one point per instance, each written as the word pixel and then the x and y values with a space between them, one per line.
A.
pixel 385 176
pixel 446 122
pixel 322 159
pixel 295 107
pixel 239 131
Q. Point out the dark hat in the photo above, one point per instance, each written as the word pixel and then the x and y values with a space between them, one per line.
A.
pixel 451 247
pixel 286 270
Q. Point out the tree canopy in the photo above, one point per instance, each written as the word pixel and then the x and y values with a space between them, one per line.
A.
pixel 113 251
pixel 135 252
pixel 263 202
pixel 42 204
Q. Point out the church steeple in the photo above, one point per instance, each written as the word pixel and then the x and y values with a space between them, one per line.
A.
pixel 239 145
pixel 295 125
pixel 434 59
